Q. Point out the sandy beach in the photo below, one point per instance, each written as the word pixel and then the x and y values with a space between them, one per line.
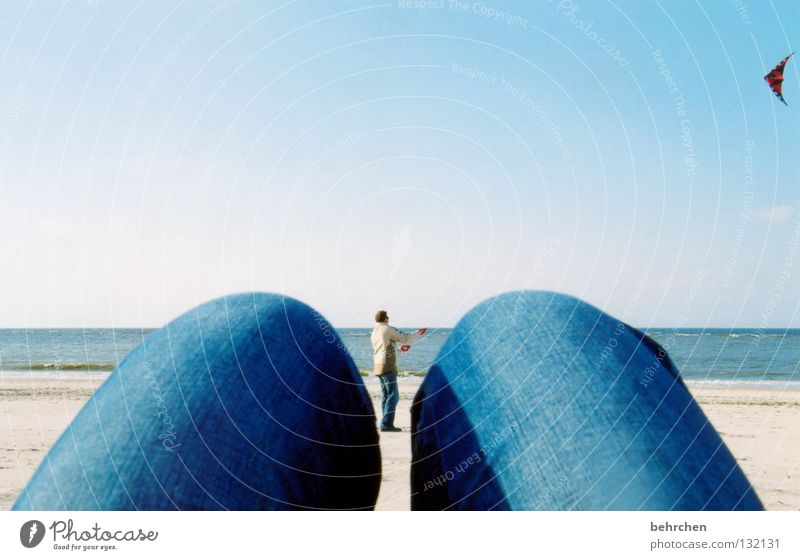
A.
pixel 760 426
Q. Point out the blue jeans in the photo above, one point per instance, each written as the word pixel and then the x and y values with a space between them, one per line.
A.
pixel 536 401
pixel 390 396
pixel 539 401
pixel 249 402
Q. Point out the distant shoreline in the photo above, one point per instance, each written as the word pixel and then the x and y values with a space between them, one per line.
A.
pixel 72 375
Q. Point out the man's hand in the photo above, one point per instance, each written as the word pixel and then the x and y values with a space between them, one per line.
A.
pixel 422 330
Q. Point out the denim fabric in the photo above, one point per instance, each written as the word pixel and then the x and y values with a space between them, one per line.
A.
pixel 536 401
pixel 390 396
pixel 539 401
pixel 248 402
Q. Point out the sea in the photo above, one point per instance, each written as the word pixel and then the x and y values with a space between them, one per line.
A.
pixel 730 356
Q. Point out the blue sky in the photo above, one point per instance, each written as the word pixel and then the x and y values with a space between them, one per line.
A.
pixel 361 155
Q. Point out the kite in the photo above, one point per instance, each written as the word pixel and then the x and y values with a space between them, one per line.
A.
pixel 775 78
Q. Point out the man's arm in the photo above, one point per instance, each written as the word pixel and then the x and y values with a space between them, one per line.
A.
pixel 395 334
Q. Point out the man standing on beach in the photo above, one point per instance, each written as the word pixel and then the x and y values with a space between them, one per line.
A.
pixel 384 356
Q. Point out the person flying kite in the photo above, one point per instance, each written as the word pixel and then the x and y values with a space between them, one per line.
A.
pixel 775 78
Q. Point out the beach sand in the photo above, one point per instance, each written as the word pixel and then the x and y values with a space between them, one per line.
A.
pixel 760 426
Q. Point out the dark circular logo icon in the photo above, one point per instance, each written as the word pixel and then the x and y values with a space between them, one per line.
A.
pixel 31 533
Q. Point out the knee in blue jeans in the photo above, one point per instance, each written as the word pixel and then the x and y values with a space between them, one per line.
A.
pixel 260 403
pixel 552 404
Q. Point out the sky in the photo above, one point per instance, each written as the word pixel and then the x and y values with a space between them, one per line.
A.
pixel 412 156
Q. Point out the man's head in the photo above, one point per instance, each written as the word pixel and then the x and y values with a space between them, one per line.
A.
pixel 381 316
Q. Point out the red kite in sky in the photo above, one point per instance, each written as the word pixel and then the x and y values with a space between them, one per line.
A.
pixel 775 78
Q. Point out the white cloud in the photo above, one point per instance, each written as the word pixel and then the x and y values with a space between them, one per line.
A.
pixel 777 214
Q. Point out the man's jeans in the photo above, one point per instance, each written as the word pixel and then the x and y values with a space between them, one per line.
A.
pixel 536 401
pixel 390 396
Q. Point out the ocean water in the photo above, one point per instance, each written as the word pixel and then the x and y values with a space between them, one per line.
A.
pixel 706 356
